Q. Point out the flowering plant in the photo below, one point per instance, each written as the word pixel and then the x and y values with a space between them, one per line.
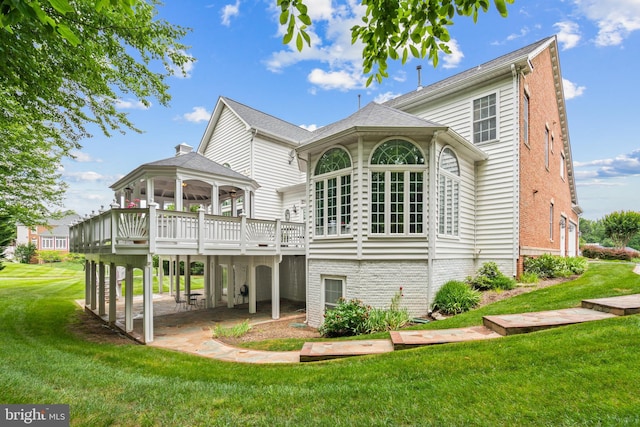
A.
pixel 132 203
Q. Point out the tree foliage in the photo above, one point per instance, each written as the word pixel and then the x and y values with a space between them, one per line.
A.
pixel 7 234
pixel 393 29
pixel 621 227
pixel 65 64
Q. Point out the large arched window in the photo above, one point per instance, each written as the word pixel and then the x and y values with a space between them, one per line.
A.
pixel 448 193
pixel 397 188
pixel 332 196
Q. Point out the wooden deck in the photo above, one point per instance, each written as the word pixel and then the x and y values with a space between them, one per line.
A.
pixel 149 230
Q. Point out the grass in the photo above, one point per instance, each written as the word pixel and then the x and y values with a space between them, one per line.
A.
pixel 579 375
pixel 235 331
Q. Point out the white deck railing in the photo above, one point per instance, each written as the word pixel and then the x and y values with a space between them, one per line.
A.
pixel 159 231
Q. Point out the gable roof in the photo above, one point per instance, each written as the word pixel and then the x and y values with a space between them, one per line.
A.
pixel 472 75
pixel 254 120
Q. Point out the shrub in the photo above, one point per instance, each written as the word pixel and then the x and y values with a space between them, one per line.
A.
pixel 529 277
pixel 456 297
pixel 490 277
pixel 550 266
pixel 24 253
pixel 609 253
pixel 49 256
pixel 346 319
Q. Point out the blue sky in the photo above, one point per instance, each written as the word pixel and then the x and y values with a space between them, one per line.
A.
pixel 239 54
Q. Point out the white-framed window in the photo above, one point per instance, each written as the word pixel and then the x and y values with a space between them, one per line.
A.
pixel 397 189
pixel 525 113
pixel 61 243
pixel 333 289
pixel 47 243
pixel 562 165
pixel 551 221
pixel 484 118
pixel 546 148
pixel 332 193
pixel 448 193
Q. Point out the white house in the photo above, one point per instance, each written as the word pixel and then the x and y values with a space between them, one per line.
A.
pixel 412 193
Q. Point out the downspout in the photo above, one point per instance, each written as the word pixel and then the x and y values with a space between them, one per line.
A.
pixel 254 133
pixel 516 170
pixel 431 243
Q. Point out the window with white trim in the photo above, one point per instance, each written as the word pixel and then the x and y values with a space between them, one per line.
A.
pixel 551 221
pixel 562 165
pixel 546 148
pixel 61 243
pixel 397 189
pixel 484 118
pixel 333 291
pixel 332 195
pixel 448 193
pixel 46 243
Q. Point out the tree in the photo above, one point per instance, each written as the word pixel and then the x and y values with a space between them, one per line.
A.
pixel 621 226
pixel 7 234
pixel 393 28
pixel 64 66
pixel 24 253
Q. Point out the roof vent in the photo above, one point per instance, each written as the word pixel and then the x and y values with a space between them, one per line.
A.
pixel 419 70
pixel 183 149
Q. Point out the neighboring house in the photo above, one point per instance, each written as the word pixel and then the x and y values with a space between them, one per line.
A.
pixel 53 236
pixel 412 193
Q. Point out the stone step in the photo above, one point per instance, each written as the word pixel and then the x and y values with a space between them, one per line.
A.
pixel 409 339
pixel 511 324
pixel 323 350
pixel 620 306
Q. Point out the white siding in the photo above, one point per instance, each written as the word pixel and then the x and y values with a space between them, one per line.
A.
pixel 495 179
pixel 273 167
pixel 230 143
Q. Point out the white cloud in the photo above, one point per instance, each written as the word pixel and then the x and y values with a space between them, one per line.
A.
pixel 131 104
pixel 82 157
pixel 621 165
pixel 85 176
pixel 187 68
pixel 384 97
pixel 568 34
pixel 571 90
pixel 342 80
pixel 330 45
pixel 453 59
pixel 616 19
pixel 230 11
pixel 199 114
pixel 310 128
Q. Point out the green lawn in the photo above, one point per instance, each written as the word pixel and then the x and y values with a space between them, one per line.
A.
pixel 573 376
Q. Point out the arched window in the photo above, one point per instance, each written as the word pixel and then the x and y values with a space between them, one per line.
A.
pixel 397 188
pixel 448 193
pixel 333 193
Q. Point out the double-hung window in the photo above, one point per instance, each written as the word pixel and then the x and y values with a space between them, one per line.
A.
pixel 47 243
pixel 397 188
pixel 484 118
pixel 332 193
pixel 448 193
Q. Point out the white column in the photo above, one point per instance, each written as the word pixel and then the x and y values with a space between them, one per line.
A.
pixel 93 285
pixel 147 295
pixel 150 189
pixel 101 280
pixel 87 283
pixel 171 274
pixel 160 275
pixel 128 299
pixel 231 283
pixel 216 294
pixel 178 195
pixel 275 288
pixel 112 293
pixel 252 286
pixel 215 205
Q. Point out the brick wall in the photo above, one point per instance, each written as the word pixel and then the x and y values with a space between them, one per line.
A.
pixel 542 185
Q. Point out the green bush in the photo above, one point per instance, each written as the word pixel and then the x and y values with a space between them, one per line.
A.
pixel 549 266
pixel 609 253
pixel 529 277
pixel 49 256
pixel 346 319
pixel 456 297
pixel 24 253
pixel 490 277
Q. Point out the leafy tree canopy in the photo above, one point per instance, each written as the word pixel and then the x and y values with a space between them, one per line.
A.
pixel 64 64
pixel 393 28
pixel 621 227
